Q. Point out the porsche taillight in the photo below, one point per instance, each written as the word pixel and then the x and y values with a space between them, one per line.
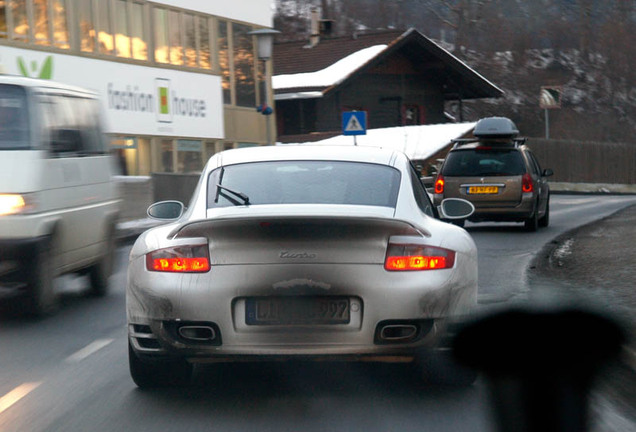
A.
pixel 179 259
pixel 526 183
pixel 439 184
pixel 402 257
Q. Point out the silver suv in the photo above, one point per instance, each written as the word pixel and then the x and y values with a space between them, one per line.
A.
pixel 499 174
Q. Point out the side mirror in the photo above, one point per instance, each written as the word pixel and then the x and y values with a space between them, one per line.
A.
pixel 455 208
pixel 166 210
pixel 547 172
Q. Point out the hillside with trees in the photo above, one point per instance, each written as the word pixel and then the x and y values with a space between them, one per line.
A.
pixel 584 46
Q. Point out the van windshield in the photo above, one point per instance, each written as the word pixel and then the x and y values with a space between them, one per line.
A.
pixel 14 121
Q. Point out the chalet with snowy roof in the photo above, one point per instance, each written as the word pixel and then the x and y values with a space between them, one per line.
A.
pixel 399 78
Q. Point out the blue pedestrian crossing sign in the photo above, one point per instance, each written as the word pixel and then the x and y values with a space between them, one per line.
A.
pixel 354 123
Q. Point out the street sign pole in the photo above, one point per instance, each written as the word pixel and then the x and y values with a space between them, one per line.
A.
pixel 547 124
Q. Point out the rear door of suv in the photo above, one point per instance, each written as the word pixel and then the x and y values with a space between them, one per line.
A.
pixel 487 176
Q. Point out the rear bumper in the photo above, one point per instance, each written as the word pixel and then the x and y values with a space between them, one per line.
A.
pixel 392 315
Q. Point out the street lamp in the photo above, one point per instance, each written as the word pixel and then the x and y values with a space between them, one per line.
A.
pixel 265 43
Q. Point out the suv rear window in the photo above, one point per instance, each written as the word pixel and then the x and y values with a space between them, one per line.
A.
pixel 490 162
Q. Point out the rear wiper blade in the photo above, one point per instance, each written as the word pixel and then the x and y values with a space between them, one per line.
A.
pixel 241 195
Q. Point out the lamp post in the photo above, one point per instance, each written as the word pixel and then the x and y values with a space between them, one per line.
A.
pixel 265 42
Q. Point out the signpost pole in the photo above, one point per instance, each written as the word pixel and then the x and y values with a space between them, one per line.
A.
pixel 547 124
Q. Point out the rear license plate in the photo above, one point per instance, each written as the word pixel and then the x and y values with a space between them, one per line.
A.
pixel 483 189
pixel 297 310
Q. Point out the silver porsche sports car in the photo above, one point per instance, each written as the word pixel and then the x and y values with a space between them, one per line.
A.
pixel 297 252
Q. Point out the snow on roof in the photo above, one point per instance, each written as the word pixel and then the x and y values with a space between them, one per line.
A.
pixel 417 142
pixel 328 76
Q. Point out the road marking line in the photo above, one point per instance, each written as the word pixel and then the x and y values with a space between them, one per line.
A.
pixel 16 394
pixel 88 350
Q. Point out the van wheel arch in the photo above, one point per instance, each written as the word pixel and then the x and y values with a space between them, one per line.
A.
pixel 41 298
pixel 100 272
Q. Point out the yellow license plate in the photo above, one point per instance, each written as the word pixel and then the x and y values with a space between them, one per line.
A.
pixel 483 189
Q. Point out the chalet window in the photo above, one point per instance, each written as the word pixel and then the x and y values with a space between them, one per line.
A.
pixel 412 115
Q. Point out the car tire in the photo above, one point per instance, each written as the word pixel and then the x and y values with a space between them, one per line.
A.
pixel 440 368
pixel 100 272
pixel 545 220
pixel 156 374
pixel 41 299
pixel 532 223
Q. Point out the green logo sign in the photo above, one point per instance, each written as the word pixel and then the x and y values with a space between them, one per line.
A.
pixel 163 100
pixel 46 71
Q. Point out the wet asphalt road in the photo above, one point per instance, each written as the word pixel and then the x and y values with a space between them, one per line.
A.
pixel 69 372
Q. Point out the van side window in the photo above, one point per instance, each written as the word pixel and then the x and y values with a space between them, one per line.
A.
pixel 87 111
pixel 72 125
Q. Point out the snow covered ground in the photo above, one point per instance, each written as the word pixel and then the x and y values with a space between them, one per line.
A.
pixel 417 142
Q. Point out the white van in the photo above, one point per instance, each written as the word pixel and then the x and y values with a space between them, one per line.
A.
pixel 58 201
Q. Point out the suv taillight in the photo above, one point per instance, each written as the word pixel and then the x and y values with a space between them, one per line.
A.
pixel 526 183
pixel 439 184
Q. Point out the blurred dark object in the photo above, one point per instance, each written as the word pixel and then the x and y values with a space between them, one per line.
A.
pixel 540 363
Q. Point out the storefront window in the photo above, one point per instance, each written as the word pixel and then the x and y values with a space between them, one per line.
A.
pixel 143 156
pixel 137 33
pixel 20 22
pixel 60 27
pixel 224 61
pixel 122 36
pixel 104 34
pixel 125 152
pixel 41 24
pixel 161 36
pixel 86 26
pixel 204 43
pixel 174 30
pixel 167 156
pixel 190 43
pixel 189 156
pixel 244 66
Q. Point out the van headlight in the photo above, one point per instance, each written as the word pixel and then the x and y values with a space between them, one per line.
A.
pixel 16 204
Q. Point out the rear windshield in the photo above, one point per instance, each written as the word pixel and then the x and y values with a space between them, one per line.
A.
pixel 14 121
pixel 304 182
pixel 491 162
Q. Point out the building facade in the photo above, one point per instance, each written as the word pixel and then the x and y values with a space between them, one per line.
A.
pixel 179 80
pixel 400 78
